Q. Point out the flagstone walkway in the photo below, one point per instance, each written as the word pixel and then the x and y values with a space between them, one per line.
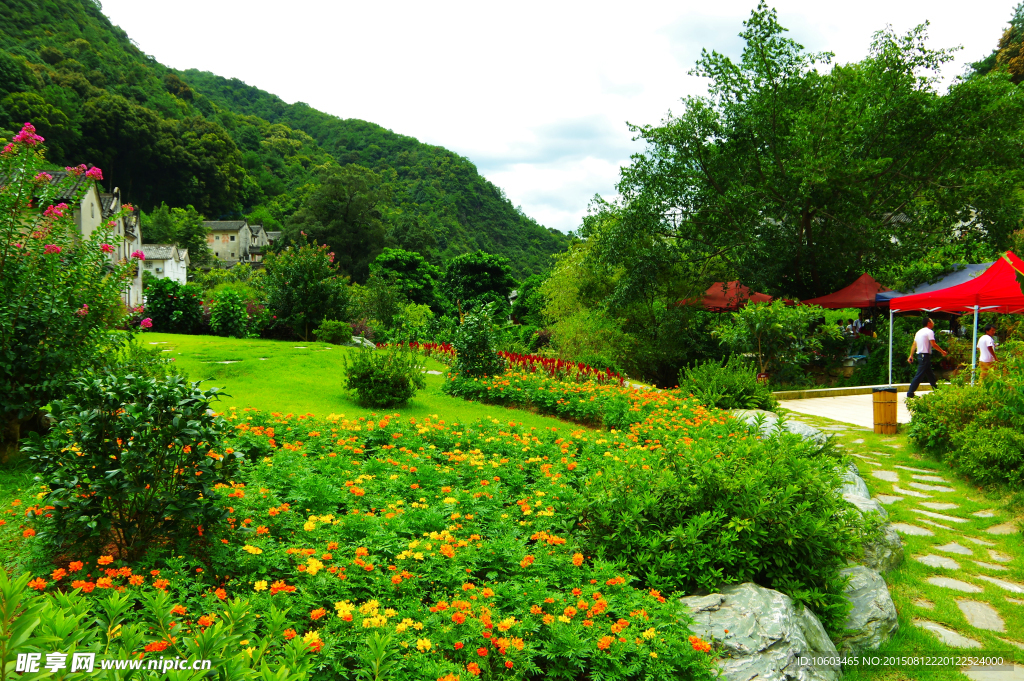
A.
pixel 962 583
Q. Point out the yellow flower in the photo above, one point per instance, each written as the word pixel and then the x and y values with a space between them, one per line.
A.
pixel 309 526
pixel 650 633
pixel 311 636
pixel 654 654
pixel 254 550
pixel 423 645
pixel 313 566
pixel 451 500
pixel 260 585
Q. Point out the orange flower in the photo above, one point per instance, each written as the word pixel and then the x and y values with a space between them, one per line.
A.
pixel 447 551
pixel 473 668
pixel 317 614
pixel 161 583
pixel 588 623
pixel 289 634
pixel 397 579
pixel 458 618
pixel 577 559
pixel 28 533
pixel 105 560
pixel 699 645
pixel 487 593
pixel 332 545
pixel 262 530
pixel 657 595
pixel 205 621
pixel 124 572
pixel 179 610
pixel 104 583
pixel 535 610
pixel 605 642
pixel 76 566
pixel 570 612
pixel 526 562
pixel 221 594
pixel 136 580
pixel 38 584
pixel 156 647
pixel 362 551
pixel 59 574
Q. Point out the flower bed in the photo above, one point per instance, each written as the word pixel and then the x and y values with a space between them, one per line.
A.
pixel 560 369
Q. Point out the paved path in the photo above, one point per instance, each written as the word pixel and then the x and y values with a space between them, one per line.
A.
pixel 855 409
pixel 962 573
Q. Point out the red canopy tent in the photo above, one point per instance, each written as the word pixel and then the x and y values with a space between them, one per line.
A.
pixel 860 293
pixel 997 289
pixel 994 290
pixel 731 296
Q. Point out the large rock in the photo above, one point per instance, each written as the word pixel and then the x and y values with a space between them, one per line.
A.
pixel 771 420
pixel 768 634
pixel 360 342
pixel 885 551
pixel 873 617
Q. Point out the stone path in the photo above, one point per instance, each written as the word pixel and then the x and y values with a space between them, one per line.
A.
pixel 956 544
pixel 856 409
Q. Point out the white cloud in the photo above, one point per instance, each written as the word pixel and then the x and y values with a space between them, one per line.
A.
pixel 537 94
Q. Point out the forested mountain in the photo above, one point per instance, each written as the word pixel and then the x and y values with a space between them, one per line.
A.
pixel 232 150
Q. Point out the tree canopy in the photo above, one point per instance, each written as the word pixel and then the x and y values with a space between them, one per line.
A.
pixel 800 174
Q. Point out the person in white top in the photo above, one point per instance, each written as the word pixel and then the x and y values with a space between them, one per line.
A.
pixel 924 343
pixel 986 350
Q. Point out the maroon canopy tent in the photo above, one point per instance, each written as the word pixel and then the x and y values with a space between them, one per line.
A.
pixel 860 293
pixel 731 296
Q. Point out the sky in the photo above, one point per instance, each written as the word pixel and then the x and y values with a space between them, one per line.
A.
pixel 537 94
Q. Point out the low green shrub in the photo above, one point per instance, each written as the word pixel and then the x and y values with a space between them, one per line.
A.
pixel 384 377
pixel 989 455
pixel 228 314
pixel 732 384
pixel 476 343
pixel 131 462
pixel 706 514
pixel 174 307
pixel 333 331
pixel 110 632
pixel 939 415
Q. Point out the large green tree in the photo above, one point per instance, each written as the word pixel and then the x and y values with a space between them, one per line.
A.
pixel 414 276
pixel 345 213
pixel 472 280
pixel 801 174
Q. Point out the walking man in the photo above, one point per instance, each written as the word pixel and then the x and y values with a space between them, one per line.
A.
pixel 986 350
pixel 924 343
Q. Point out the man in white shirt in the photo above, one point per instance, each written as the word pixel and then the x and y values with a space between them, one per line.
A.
pixel 986 350
pixel 924 343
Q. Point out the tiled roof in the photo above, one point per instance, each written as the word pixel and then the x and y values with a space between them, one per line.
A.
pixel 158 251
pixel 108 202
pixel 224 224
pixel 256 229
pixel 67 193
pixel 273 236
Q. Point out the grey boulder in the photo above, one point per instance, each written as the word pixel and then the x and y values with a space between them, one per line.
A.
pixel 853 484
pixel 768 635
pixel 883 552
pixel 873 615
pixel 360 342
pixel 771 421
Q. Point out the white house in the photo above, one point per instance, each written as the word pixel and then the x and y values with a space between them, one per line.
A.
pixel 166 261
pixel 229 240
pixel 95 209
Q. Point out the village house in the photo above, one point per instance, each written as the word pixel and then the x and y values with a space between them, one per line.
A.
pixel 96 209
pixel 229 240
pixel 166 261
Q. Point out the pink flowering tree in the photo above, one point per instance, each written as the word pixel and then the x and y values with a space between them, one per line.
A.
pixel 304 287
pixel 61 293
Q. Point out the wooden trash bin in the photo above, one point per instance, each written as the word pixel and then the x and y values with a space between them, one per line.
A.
pixel 884 402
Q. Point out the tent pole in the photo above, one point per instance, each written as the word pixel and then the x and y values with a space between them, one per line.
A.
pixel 974 348
pixel 890 345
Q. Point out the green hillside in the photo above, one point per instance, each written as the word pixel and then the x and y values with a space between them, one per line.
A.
pixel 232 150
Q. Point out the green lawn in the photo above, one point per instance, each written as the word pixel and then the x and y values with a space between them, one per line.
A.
pixel 292 376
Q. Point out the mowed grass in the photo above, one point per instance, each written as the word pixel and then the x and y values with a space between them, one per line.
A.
pixel 297 377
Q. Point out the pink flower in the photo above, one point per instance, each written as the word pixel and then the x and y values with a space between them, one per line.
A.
pixel 43 177
pixel 138 255
pixel 129 207
pixel 75 170
pixel 146 323
pixel 95 173
pixel 8 150
pixel 106 248
pixel 51 248
pixel 55 211
pixel 82 311
pixel 28 136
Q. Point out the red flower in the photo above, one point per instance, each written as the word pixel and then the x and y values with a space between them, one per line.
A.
pixel 28 533
pixel 156 647
pixel 459 645
pixel 482 652
pixel 508 664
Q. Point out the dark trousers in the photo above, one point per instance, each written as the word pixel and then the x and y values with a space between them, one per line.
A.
pixel 924 373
